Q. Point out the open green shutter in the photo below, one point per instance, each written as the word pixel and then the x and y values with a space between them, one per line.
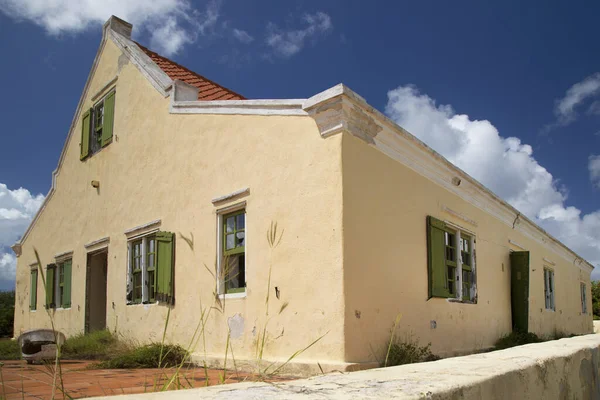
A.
pixel 33 288
pixel 109 117
pixel 436 258
pixel 165 267
pixel 67 284
pixel 85 135
pixel 50 269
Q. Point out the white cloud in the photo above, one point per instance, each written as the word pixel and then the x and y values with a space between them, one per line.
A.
pixel 171 23
pixel 288 43
pixel 594 168
pixel 242 36
pixel 565 108
pixel 504 164
pixel 17 208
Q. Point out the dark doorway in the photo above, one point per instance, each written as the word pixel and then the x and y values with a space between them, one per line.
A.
pixel 95 289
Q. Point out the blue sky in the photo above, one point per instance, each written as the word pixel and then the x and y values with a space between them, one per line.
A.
pixel 510 92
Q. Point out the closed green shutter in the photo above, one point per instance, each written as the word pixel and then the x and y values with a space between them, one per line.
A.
pixel 85 135
pixel 109 117
pixel 33 288
pixel 165 267
pixel 50 270
pixel 67 284
pixel 519 290
pixel 436 258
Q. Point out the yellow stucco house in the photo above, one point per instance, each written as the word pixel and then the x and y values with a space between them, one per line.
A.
pixel 168 190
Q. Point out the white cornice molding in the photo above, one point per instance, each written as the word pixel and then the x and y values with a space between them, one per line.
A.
pixel 97 244
pixel 339 109
pixel 143 229
pixel 239 107
pixel 230 196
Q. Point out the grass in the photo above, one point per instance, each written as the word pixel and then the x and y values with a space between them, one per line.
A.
pixel 408 352
pixel 99 345
pixel 154 355
pixel 9 350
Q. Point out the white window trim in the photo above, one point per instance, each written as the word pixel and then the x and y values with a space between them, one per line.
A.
pixel 551 298
pixel 220 285
pixel 458 282
pixel 583 294
pixel 129 271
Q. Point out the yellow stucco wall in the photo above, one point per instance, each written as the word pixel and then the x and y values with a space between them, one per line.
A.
pixel 385 265
pixel 169 167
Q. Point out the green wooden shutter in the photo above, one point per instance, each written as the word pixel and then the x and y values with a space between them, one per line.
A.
pixel 436 258
pixel 85 135
pixel 109 117
pixel 50 269
pixel 67 284
pixel 165 267
pixel 33 288
pixel 519 290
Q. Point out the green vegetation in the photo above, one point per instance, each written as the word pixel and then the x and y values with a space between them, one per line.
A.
pixel 9 350
pixel 596 299
pixel 517 339
pixel 99 345
pixel 409 352
pixel 7 313
pixel 154 355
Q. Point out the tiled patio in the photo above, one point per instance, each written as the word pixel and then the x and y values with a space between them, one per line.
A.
pixel 22 381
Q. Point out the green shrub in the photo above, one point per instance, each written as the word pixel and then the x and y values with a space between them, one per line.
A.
pixel 98 345
pixel 7 313
pixel 517 339
pixel 409 352
pixel 147 357
pixel 9 350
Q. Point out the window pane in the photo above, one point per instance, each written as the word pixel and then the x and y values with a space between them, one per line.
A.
pixel 241 236
pixel 230 224
pixel 150 260
pixel 235 277
pixel 466 259
pixel 151 245
pixel 450 254
pixel 241 221
pixel 449 239
pixel 229 242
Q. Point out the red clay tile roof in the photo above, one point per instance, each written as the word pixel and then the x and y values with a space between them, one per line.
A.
pixel 209 90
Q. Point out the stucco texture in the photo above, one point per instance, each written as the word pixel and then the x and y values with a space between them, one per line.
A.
pixel 385 265
pixel 169 167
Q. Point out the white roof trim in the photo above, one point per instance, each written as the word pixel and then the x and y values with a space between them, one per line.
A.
pixel 336 109
pixel 340 109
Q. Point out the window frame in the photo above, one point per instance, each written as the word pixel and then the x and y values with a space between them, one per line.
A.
pixel 459 287
pixel 59 286
pixel 147 296
pixel 33 298
pixel 96 126
pixel 549 289
pixel 583 290
pixel 222 253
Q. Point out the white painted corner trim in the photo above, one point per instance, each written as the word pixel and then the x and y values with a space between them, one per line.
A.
pixel 231 195
pixel 142 230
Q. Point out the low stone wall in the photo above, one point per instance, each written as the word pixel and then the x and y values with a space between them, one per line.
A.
pixel 559 369
pixel 596 326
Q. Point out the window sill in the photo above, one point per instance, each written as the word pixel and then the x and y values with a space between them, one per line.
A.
pixel 549 310
pixel 62 309
pixel 450 300
pixel 142 304
pixel 240 295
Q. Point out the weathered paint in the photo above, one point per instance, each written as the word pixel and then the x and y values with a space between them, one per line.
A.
pixel 386 205
pixel 170 167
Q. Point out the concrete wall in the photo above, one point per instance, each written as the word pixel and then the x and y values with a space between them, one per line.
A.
pixel 169 167
pixel 385 265
pixel 562 369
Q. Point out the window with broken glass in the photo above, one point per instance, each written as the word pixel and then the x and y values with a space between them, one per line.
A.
pixel 142 269
pixel 233 253
pixel 451 259
pixel 549 289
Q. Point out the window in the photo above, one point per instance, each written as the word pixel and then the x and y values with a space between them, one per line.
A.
pixel 97 126
pixel 33 289
pixel 549 289
pixel 150 269
pixel 583 298
pixel 451 261
pixel 232 266
pixel 58 284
